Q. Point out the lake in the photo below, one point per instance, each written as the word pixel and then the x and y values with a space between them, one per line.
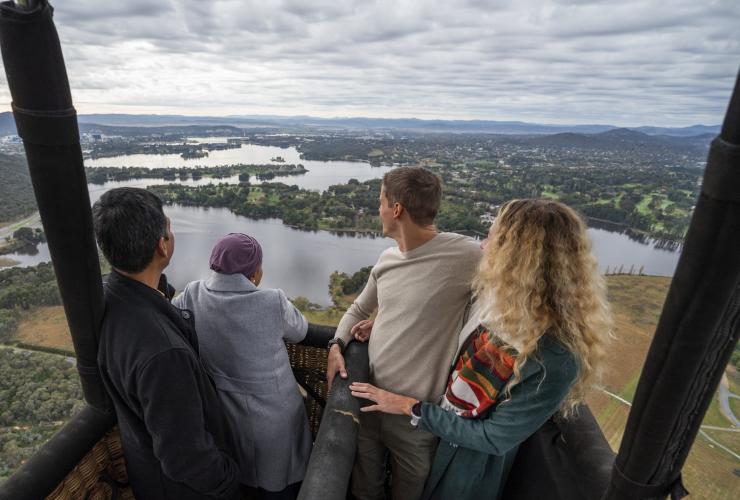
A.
pixel 320 175
pixel 300 262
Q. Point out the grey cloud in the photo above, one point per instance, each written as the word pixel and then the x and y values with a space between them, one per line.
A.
pixel 318 10
pixel 78 12
pixel 633 63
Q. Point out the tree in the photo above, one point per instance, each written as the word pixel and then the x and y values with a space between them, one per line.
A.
pixel 8 324
pixel 24 233
pixel 357 281
pixel 29 235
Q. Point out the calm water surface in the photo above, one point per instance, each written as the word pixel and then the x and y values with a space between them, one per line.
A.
pixel 321 174
pixel 300 262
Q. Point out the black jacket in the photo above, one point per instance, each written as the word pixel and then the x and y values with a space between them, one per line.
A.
pixel 175 439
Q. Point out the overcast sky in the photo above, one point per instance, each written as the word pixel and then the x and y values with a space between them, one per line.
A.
pixel 629 62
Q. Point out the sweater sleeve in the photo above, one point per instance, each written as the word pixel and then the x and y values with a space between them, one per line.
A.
pixel 174 416
pixel 295 325
pixel 532 402
pixel 363 306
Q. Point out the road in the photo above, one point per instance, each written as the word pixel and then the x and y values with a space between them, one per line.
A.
pixel 724 401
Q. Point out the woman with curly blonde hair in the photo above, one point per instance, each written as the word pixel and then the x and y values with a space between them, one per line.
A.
pixel 533 345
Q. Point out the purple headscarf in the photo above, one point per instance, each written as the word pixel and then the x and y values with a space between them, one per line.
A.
pixel 236 253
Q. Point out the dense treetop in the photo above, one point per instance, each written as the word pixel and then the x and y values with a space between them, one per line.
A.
pixel 16 192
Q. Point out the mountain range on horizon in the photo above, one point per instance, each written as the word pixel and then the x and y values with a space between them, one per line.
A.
pixel 7 124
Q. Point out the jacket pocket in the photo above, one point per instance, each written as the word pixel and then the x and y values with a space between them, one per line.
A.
pixel 262 385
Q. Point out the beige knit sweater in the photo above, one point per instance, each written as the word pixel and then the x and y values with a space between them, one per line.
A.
pixel 421 297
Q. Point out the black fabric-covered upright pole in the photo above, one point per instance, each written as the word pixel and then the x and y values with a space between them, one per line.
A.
pixel 696 334
pixel 47 123
pixel 333 455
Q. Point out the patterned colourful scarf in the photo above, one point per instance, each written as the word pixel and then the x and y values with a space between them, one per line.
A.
pixel 480 374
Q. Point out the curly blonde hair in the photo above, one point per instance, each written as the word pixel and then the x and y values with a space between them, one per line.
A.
pixel 538 277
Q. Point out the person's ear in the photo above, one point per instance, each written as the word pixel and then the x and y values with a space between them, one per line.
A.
pixel 397 210
pixel 162 247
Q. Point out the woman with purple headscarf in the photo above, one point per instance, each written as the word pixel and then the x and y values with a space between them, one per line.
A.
pixel 241 333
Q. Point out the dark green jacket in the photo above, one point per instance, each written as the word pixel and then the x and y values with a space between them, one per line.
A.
pixel 474 455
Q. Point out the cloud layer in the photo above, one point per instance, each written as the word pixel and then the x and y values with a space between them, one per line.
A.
pixel 637 62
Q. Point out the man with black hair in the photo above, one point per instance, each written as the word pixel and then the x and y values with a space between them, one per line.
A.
pixel 175 438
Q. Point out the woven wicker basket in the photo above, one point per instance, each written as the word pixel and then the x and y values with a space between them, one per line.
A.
pixel 104 465
pixel 309 368
pixel 104 460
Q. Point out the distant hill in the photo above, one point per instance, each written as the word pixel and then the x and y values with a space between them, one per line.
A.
pixel 623 139
pixel 132 130
pixel 699 142
pixel 445 126
pixel 409 124
pixel 123 120
pixel 149 124
pixel 693 130
pixel 114 122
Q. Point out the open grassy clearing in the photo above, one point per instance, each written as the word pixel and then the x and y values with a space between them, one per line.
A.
pixel 328 317
pixel 255 194
pixel 47 327
pixel 642 206
pixel 710 473
pixel 604 201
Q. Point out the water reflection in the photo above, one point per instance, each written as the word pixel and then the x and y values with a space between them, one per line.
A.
pixel 634 235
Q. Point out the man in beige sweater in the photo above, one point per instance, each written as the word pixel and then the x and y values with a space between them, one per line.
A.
pixel 420 290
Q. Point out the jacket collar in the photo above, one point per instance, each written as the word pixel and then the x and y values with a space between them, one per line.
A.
pixel 135 290
pixel 129 291
pixel 218 282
